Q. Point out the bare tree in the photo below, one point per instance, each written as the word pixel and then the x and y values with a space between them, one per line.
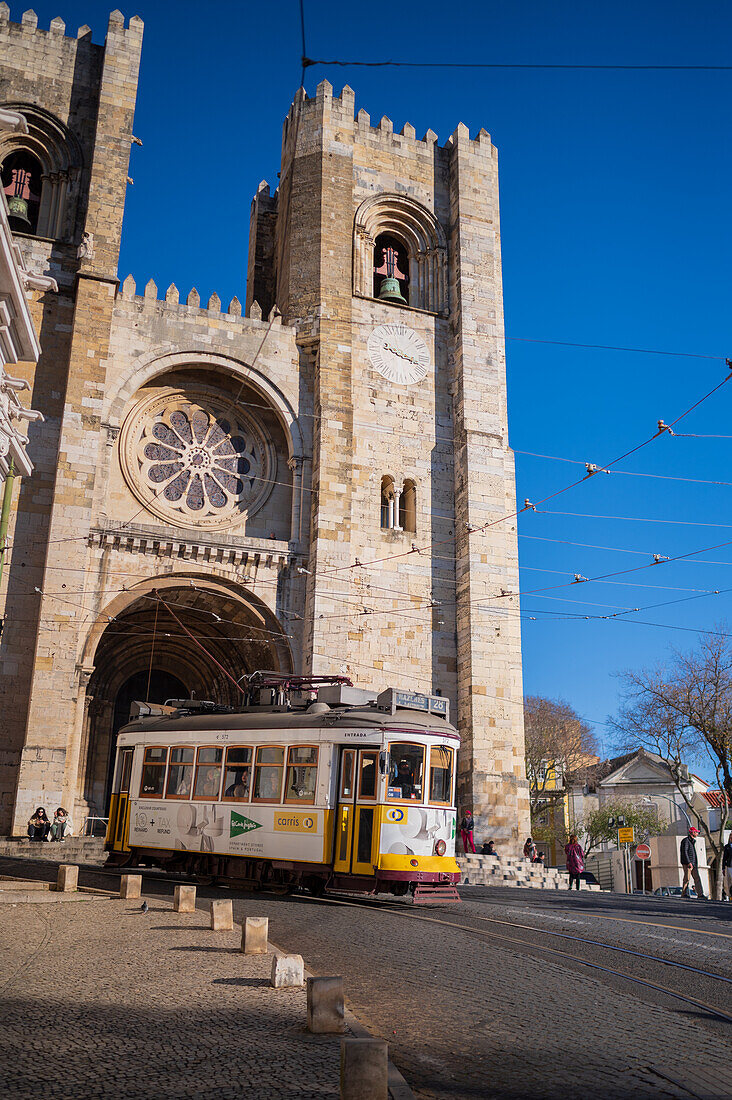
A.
pixel 682 711
pixel 558 743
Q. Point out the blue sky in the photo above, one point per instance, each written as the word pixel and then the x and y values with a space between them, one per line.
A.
pixel 616 230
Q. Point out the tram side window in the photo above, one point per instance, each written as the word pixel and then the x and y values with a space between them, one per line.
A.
pixel 440 774
pixel 268 773
pixel 180 772
pixel 302 771
pixel 406 768
pixel 238 773
pixel 208 774
pixel 152 783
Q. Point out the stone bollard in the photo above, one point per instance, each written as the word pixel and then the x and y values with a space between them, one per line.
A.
pixel 287 972
pixel 254 935
pixel 130 887
pixel 364 1069
pixel 222 915
pixel 325 1005
pixel 68 878
pixel 184 899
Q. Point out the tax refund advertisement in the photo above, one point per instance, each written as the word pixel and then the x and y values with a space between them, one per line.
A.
pixel 243 830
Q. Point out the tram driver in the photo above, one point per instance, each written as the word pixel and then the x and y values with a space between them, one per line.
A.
pixel 405 778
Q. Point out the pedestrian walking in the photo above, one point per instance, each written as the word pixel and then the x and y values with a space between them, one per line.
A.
pixel 575 860
pixel 727 869
pixel 466 831
pixel 529 850
pixel 690 863
pixel 39 825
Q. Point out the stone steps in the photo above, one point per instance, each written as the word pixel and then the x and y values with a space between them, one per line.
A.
pixel 481 870
pixel 75 849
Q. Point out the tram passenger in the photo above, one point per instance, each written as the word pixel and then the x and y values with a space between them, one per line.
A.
pixel 405 778
pixel 240 787
pixel 39 826
pixel 210 785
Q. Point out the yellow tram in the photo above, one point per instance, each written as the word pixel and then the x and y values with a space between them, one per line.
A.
pixel 321 785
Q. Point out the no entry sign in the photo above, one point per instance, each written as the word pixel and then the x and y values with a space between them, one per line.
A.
pixel 643 852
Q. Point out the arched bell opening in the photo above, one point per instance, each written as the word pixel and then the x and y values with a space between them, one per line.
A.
pixel 181 640
pixel 22 184
pixel 391 269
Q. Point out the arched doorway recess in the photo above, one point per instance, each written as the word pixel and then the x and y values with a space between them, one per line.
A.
pixel 177 637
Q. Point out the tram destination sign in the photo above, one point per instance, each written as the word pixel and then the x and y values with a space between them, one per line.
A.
pixel 392 700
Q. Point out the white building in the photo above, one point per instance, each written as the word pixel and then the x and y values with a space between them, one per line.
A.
pixel 18 339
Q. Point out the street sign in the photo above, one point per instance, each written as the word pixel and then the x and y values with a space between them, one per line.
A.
pixel 643 852
pixel 626 836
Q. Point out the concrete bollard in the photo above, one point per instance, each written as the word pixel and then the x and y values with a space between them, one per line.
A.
pixel 222 916
pixel 364 1069
pixel 254 935
pixel 67 879
pixel 325 1006
pixel 287 972
pixel 184 899
pixel 130 887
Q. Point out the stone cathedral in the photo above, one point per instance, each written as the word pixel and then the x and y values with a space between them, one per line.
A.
pixel 313 478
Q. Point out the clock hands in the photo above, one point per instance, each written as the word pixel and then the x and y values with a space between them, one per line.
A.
pixel 402 354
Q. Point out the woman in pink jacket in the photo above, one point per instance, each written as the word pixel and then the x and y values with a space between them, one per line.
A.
pixel 575 860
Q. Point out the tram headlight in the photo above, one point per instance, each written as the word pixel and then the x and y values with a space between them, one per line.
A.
pixel 440 847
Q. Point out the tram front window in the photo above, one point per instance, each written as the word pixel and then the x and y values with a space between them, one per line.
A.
pixel 406 769
pixel 440 774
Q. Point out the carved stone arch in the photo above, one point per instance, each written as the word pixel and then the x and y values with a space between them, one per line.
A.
pixel 423 237
pixel 143 370
pixel 59 155
pixel 136 636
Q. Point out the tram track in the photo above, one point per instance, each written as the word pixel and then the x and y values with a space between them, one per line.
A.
pixel 675 994
pixel 408 913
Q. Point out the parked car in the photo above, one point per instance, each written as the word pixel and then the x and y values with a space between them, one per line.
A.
pixel 673 892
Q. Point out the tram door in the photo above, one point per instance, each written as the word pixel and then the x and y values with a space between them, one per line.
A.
pixel 356 817
pixel 119 809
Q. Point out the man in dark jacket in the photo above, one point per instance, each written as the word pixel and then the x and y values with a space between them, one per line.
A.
pixel 690 863
pixel 727 869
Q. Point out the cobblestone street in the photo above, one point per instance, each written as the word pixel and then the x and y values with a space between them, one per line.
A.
pixel 159 1005
pixel 99 1000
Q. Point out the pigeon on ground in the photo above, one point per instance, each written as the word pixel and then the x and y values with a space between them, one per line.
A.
pixel 143 907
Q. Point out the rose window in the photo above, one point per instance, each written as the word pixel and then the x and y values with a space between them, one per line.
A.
pixel 197 459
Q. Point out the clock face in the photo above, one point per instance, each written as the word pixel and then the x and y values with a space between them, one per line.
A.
pixel 399 354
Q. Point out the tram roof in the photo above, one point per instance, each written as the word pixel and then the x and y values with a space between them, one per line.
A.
pixel 260 718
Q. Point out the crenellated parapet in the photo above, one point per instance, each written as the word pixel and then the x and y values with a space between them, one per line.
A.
pixel 170 301
pixel 382 133
pixel 57 28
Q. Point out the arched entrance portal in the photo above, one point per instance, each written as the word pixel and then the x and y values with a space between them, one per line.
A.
pixel 186 639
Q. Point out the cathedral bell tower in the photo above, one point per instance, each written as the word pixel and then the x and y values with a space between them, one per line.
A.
pixel 383 251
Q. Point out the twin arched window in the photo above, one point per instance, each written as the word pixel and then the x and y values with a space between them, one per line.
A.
pixel 398 506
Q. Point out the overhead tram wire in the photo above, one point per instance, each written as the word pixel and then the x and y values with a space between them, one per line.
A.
pixel 444 439
pixel 662 428
pixel 308 62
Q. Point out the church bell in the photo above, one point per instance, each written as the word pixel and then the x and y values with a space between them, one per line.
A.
pixel 389 290
pixel 18 212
